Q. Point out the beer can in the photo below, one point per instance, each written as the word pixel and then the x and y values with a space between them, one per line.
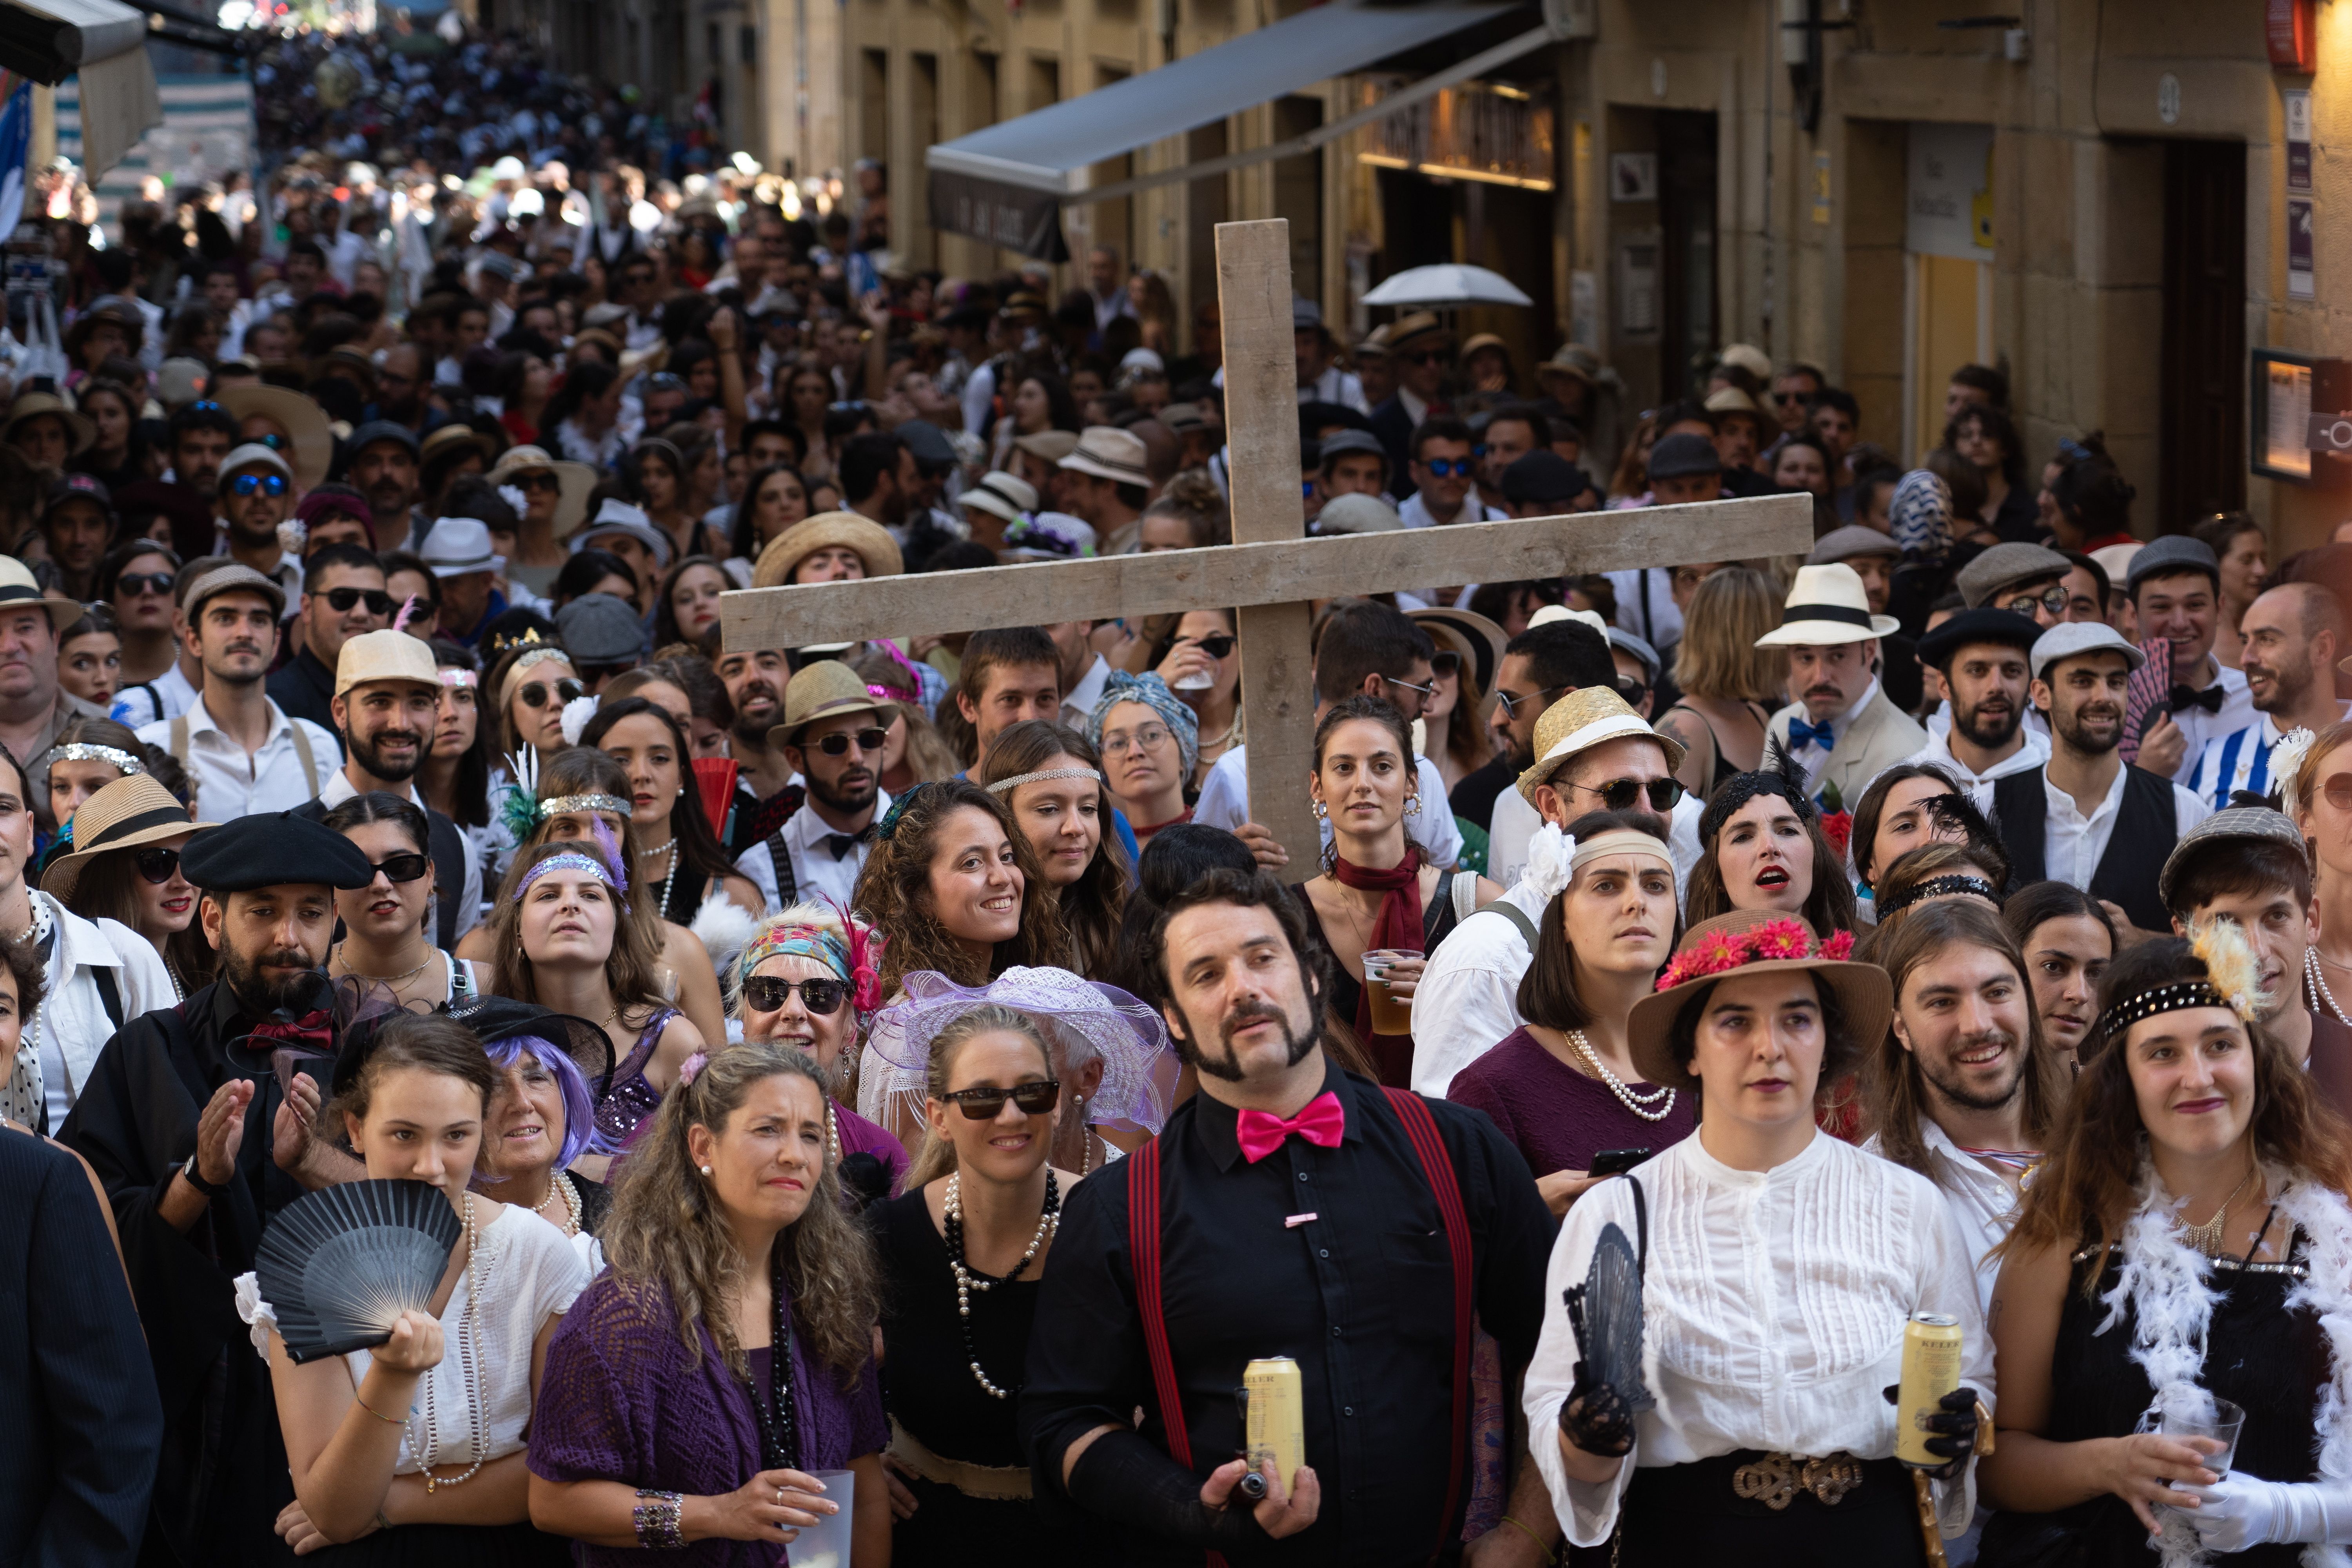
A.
pixel 1276 1437
pixel 1931 1369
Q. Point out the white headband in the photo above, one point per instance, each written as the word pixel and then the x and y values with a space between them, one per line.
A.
pixel 1000 786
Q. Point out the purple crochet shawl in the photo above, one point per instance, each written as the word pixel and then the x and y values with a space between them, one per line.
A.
pixel 620 1402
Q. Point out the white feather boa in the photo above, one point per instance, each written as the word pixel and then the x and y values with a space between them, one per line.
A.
pixel 2167 1286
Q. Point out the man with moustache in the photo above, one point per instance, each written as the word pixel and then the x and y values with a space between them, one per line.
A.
pixel 33 706
pixel 1965 1091
pixel 198 1141
pixel 1981 655
pixel 831 736
pixel 1289 1209
pixel 383 457
pixel 1839 727
pixel 386 707
pixel 2086 817
pixel 343 596
pixel 755 690
pixel 2292 636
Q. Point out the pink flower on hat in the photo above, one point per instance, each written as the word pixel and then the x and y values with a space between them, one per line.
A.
pixel 1778 940
pixel 1839 947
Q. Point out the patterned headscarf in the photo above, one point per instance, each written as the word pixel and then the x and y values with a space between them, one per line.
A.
pixel 1153 693
pixel 839 940
pixel 1921 512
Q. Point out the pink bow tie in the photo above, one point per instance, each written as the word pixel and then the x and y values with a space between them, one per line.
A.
pixel 1261 1133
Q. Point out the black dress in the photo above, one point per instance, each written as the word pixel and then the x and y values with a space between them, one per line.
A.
pixel 927 1385
pixel 2260 1356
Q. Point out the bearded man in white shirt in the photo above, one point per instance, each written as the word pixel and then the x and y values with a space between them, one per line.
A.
pixel 1968 1089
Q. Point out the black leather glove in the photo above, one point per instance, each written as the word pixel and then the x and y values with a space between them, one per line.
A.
pixel 1955 1425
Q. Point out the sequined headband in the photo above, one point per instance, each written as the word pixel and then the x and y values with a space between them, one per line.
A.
pixel 1940 887
pixel 570 860
pixel 1002 785
pixel 87 752
pixel 456 676
pixel 559 804
pixel 2173 998
pixel 890 693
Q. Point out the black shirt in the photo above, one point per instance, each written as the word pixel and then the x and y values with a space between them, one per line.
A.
pixel 1473 798
pixel 1360 1297
pixel 304 687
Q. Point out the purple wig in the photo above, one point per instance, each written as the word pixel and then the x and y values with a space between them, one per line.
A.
pixel 580 1134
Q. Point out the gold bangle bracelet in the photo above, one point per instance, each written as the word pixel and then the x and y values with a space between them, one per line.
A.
pixel 388 1420
pixel 1531 1535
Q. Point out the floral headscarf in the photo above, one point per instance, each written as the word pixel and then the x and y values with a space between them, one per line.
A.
pixel 1154 694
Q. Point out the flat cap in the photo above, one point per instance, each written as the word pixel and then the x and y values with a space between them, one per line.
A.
pixel 1340 441
pixel 236 575
pixel 1973 627
pixel 1543 477
pixel 2004 566
pixel 1683 457
pixel 2068 638
pixel 1850 543
pixel 1356 514
pixel 273 849
pixel 601 628
pixel 2235 825
pixel 2172 556
pixel 375 430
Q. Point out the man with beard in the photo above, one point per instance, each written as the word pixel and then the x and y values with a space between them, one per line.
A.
pixel 198 1142
pixel 2086 817
pixel 1540 667
pixel 242 752
pixel 1965 1091
pixel 384 468
pixel 342 596
pixel 200 436
pixel 1981 655
pixel 2293 635
pixel 255 493
pixel 831 736
pixel 755 690
pixel 1290 1208
pixel 386 706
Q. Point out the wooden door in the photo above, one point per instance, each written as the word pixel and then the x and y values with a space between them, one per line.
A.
pixel 2202 457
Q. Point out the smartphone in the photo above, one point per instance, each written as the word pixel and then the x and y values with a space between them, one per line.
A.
pixel 1616 1162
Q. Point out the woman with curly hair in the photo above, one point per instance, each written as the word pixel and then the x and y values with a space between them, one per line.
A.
pixel 726 1356
pixel 1051 781
pixel 948 886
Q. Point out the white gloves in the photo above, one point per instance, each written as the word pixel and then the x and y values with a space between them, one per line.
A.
pixel 2242 1510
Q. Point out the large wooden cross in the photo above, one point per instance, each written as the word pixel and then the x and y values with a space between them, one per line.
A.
pixel 1271 571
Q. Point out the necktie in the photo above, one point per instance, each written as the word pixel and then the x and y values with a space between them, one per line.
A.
pixel 841 844
pixel 2181 697
pixel 1801 734
pixel 1320 1122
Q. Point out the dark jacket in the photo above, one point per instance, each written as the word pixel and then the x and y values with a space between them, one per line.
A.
pixel 305 687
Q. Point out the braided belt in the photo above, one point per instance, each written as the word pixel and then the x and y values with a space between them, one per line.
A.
pixel 1777 1478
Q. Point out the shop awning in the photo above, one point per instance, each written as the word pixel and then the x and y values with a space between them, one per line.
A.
pixel 105 44
pixel 1007 184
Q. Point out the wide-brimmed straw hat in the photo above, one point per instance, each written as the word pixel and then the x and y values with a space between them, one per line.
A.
pixel 1584 719
pixel 1827 605
pixel 825 689
pixel 1746 942
pixel 826 530
pixel 18 589
pixel 574 481
pixel 79 431
pixel 131 811
pixel 305 422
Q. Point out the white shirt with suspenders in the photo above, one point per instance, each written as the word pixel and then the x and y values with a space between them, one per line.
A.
pixel 293 765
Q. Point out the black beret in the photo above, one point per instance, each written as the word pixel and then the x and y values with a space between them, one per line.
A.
pixel 1984 625
pixel 273 850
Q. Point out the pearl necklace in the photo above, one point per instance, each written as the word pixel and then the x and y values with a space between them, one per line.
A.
pixel 561 1185
pixel 1637 1104
pixel 2316 988
pixel 469 1371
pixel 37 934
pixel 968 1280
pixel 661 889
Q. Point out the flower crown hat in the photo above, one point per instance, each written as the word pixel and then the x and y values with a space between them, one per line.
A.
pixel 1744 942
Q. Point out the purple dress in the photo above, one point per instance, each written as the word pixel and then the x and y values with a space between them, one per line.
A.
pixel 1556 1117
pixel 859 1136
pixel 629 1098
pixel 620 1401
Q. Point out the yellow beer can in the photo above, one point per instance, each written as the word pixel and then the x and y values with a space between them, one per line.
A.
pixel 1277 1432
pixel 1931 1369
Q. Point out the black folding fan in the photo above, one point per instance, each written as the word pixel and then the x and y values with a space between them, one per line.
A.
pixel 340 1265
pixel 1605 1313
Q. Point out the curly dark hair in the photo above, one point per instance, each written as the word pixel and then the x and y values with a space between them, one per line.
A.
pixel 893 892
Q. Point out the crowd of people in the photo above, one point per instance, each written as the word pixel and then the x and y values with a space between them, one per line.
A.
pixel 1944 924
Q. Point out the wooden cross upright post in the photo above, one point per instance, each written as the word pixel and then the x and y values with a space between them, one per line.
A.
pixel 1271 571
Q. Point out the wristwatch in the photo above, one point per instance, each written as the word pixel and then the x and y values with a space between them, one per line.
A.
pixel 196 1180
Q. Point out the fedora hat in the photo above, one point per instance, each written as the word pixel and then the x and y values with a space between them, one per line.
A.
pixel 1002 495
pixel 79 431
pixel 1827 605
pixel 1405 329
pixel 459 545
pixel 617 516
pixel 114 312
pixel 133 810
pixel 1051 444
pixel 1752 942
pixel 18 588
pixel 826 530
pixel 825 689
pixel 304 422
pixel 1477 639
pixel 1580 721
pixel 385 654
pixel 573 481
pixel 1108 453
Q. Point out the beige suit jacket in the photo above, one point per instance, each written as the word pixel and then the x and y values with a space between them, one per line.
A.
pixel 1881 736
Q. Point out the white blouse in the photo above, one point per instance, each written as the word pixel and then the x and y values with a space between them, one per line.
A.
pixel 529 1271
pixel 1773 1306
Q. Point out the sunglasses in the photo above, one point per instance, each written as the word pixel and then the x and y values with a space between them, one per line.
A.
pixel 1631 691
pixel 768 993
pixel 267 484
pixel 2053 599
pixel 1216 644
pixel 1619 795
pixel 1430 691
pixel 2337 791
pixel 1444 663
pixel 130 584
pixel 542 480
pixel 1510 701
pixel 867 740
pixel 534 694
pixel 1436 356
pixel 157 864
pixel 985 1104
pixel 378 601
pixel 405 867
pixel 1460 468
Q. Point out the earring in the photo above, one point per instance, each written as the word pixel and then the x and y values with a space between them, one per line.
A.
pixel 1322 812
pixel 1413 806
pixel 706 1171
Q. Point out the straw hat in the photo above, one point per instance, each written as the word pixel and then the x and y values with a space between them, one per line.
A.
pixel 826 530
pixel 1827 605
pixel 17 588
pixel 304 421
pixel 1580 721
pixel 574 481
pixel 79 431
pixel 1002 495
pixel 1405 329
pixel 1744 942
pixel 825 689
pixel 385 656
pixel 133 810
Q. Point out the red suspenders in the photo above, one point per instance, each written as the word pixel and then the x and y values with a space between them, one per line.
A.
pixel 1143 1243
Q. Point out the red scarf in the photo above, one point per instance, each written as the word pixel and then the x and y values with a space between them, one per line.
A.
pixel 1397 925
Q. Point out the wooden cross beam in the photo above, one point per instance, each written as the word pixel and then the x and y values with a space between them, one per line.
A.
pixel 1271 571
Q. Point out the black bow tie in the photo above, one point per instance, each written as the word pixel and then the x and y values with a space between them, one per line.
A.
pixel 841 844
pixel 2183 697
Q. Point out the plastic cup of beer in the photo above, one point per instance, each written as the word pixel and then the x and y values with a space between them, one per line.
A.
pixel 1392 1014
pixel 2222 1425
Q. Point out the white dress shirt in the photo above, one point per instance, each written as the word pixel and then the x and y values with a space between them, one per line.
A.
pixel 229 783
pixel 815 873
pixel 1813 756
pixel 1645 605
pixel 1225 803
pixel 2199 727
pixel 72 1022
pixel 2239 759
pixel 1335 385
pixel 167 696
pixel 2073 845
pixel 1772 1306
pixel 340 789
pixel 1938 752
pixel 1078 702
pixel 1982 1204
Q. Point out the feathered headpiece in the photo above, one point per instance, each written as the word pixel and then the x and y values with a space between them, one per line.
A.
pixel 2230 965
pixel 576 714
pixel 2286 761
pixel 1782 775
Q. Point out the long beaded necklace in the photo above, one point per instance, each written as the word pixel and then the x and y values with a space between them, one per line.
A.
pixel 2317 986
pixel 2207 1237
pixel 780 1441
pixel 968 1280
pixel 1637 1104
pixel 669 870
pixel 469 1372
pixel 39 935
pixel 561 1186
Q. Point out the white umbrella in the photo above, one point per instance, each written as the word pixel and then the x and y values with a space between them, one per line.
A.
pixel 1447 283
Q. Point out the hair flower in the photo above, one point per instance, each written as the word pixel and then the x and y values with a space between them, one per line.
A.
pixel 1717 952
pixel 2286 761
pixel 691 1068
pixel 1551 859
